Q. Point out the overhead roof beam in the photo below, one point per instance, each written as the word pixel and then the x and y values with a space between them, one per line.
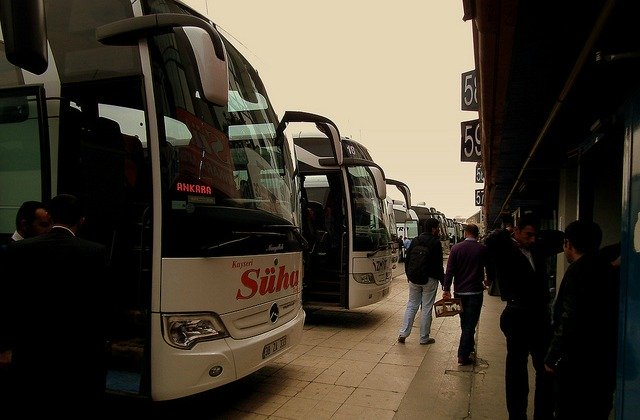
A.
pixel 577 68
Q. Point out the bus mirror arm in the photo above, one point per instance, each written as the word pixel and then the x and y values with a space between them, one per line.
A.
pixel 128 31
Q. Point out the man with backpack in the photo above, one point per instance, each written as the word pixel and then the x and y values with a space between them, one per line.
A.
pixel 425 270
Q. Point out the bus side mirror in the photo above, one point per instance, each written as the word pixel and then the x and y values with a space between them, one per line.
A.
pixel 213 71
pixel 206 44
pixel 381 184
pixel 404 189
pixel 24 33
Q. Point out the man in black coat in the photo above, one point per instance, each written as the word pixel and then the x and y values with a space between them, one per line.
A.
pixel 582 354
pixel 520 267
pixel 57 321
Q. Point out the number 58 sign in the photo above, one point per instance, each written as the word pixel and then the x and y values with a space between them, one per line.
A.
pixel 470 148
pixel 469 91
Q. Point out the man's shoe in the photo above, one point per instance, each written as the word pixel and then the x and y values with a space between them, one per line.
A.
pixel 429 341
pixel 462 361
pixel 401 339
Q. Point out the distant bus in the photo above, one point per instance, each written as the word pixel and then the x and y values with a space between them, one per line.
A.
pixel 164 130
pixel 454 230
pixel 424 212
pixel 397 227
pixel 350 259
pixel 406 220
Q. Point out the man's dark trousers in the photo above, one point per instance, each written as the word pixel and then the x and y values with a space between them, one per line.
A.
pixel 471 306
pixel 527 332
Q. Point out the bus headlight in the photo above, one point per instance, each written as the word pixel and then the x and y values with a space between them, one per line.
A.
pixel 183 331
pixel 365 278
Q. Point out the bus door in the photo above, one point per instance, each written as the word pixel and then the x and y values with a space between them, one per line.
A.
pixel 323 211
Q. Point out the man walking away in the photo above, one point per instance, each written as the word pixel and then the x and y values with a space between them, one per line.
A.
pixel 423 287
pixel 585 373
pixel 466 270
pixel 497 236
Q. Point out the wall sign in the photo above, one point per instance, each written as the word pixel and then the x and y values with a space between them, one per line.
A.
pixel 469 91
pixel 479 197
pixel 470 136
pixel 479 173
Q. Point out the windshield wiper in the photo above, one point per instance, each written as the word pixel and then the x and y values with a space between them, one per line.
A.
pixel 380 248
pixel 297 232
pixel 225 244
pixel 214 250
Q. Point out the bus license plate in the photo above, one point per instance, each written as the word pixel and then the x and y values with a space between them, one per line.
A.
pixel 274 347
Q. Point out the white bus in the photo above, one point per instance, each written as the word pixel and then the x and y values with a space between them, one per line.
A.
pixel 347 222
pixel 424 212
pixel 397 220
pixel 406 222
pixel 166 133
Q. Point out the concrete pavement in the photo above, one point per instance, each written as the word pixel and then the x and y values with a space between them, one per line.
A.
pixel 350 366
pixel 443 390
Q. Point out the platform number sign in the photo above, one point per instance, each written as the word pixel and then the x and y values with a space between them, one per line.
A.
pixel 479 173
pixel 470 136
pixel 469 91
pixel 479 197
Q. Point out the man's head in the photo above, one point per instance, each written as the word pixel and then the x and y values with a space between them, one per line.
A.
pixel 525 231
pixel 32 219
pixel 66 210
pixel 507 222
pixel 581 237
pixel 471 231
pixel 431 226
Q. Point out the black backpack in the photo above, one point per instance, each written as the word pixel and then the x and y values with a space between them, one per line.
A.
pixel 417 261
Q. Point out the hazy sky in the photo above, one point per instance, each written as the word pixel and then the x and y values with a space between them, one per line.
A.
pixel 388 75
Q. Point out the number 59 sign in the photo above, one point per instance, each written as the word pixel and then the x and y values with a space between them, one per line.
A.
pixel 470 148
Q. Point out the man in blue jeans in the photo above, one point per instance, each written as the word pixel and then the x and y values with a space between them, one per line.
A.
pixel 422 291
pixel 466 270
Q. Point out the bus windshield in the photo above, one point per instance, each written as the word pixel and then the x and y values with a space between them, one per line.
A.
pixel 221 166
pixel 370 223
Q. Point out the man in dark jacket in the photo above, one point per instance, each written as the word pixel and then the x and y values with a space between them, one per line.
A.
pixel 32 219
pixel 497 236
pixel 585 309
pixel 423 291
pixel 466 270
pixel 520 267
pixel 57 321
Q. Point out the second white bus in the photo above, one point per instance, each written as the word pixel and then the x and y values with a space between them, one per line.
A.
pixel 347 222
